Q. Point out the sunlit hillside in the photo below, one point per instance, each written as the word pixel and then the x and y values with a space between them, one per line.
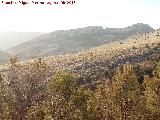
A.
pixel 116 81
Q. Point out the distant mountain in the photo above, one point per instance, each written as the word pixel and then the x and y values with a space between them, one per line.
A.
pixel 4 57
pixel 10 39
pixel 64 41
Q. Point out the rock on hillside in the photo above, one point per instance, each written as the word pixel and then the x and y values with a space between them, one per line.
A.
pixel 67 41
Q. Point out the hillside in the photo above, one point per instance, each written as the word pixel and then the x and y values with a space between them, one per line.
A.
pixel 66 41
pixel 4 57
pixel 93 62
pixel 10 39
pixel 119 80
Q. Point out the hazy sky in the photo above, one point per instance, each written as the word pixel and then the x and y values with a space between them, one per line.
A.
pixel 106 13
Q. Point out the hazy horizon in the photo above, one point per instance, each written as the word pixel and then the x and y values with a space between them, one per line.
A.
pixel 70 29
pixel 106 13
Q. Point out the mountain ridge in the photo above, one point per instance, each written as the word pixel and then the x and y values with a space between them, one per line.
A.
pixel 73 40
